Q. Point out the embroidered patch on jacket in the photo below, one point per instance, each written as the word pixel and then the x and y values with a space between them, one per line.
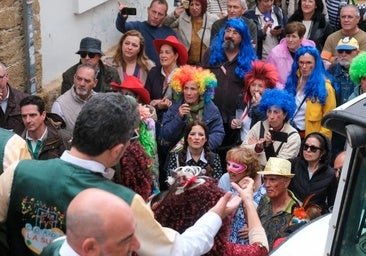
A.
pixel 43 224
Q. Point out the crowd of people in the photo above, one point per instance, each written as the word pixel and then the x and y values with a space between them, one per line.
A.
pixel 206 122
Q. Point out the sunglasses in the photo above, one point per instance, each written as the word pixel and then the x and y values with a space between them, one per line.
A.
pixel 235 167
pixel 346 51
pixel 90 54
pixel 312 148
pixel 135 136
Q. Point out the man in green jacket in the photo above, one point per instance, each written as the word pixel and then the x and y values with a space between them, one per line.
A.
pixel 40 191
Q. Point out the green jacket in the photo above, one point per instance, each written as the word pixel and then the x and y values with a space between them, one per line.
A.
pixel 36 213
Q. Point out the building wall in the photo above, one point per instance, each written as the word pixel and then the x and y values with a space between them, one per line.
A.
pixel 12 41
pixel 58 29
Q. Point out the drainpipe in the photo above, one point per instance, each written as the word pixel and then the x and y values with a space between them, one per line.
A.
pixel 29 46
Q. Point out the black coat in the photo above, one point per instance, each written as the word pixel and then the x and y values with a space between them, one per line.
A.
pixel 323 183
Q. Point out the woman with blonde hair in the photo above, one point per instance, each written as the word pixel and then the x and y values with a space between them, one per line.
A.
pixel 241 163
pixel 130 58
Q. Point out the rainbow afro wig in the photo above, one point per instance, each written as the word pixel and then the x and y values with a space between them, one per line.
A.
pixel 357 69
pixel 280 99
pixel 204 79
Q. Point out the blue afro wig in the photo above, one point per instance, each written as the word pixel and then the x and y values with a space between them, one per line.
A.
pixel 280 99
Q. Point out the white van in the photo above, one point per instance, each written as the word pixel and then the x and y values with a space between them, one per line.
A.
pixel 342 232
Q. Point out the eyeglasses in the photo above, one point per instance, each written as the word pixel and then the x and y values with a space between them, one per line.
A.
pixel 1 77
pixel 90 54
pixel 135 136
pixel 346 51
pixel 312 148
pixel 235 167
pixel 305 63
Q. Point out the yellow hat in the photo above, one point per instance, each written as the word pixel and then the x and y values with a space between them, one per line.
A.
pixel 278 166
pixel 348 43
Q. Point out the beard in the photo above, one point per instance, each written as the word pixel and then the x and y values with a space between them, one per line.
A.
pixel 228 45
pixel 345 63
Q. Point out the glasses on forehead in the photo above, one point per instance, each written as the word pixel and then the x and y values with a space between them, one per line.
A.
pixel 312 148
pixel 345 51
pixel 135 136
pixel 90 54
pixel 235 167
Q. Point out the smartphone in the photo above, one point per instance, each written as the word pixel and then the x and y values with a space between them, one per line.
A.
pixel 128 11
pixel 279 136
pixel 277 27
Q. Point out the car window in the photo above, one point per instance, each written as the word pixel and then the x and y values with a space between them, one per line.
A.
pixel 353 235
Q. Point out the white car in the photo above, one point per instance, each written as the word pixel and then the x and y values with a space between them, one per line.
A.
pixel 342 232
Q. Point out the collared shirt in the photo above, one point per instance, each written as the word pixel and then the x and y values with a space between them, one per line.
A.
pixel 202 157
pixel 4 102
pixel 66 250
pixel 173 163
pixel 275 223
pixel 35 145
pixel 91 165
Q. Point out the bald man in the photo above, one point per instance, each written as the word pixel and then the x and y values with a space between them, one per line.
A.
pixel 97 223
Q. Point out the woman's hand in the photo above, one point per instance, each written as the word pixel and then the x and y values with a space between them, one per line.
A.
pixel 183 110
pixel 268 138
pixel 245 188
pixel 178 11
pixel 234 124
pixel 256 98
pixel 163 103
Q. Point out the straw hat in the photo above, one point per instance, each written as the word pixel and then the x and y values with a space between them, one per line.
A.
pixel 173 41
pixel 278 166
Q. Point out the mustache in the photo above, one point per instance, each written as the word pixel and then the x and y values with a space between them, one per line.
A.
pixel 228 44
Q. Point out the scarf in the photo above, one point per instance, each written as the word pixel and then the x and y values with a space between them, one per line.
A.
pixel 196 111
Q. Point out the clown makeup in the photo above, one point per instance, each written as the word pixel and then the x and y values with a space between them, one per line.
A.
pixel 275 117
pixel 197 138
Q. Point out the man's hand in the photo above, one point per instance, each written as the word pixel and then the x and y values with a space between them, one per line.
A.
pixel 226 205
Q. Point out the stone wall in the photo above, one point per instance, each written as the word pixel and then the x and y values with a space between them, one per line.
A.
pixel 12 42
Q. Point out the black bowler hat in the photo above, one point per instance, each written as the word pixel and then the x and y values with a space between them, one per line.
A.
pixel 89 44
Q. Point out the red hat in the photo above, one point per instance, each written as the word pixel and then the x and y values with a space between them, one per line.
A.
pixel 135 85
pixel 173 41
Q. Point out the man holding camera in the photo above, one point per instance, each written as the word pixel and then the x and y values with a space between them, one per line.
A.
pixel 150 29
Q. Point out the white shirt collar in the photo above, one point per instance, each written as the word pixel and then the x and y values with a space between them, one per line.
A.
pixel 91 165
pixel 202 157
pixel 66 250
pixel 43 137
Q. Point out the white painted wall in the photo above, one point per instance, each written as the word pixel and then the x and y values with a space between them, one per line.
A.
pixel 62 30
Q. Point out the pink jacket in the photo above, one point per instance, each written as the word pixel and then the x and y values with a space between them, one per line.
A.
pixel 281 58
